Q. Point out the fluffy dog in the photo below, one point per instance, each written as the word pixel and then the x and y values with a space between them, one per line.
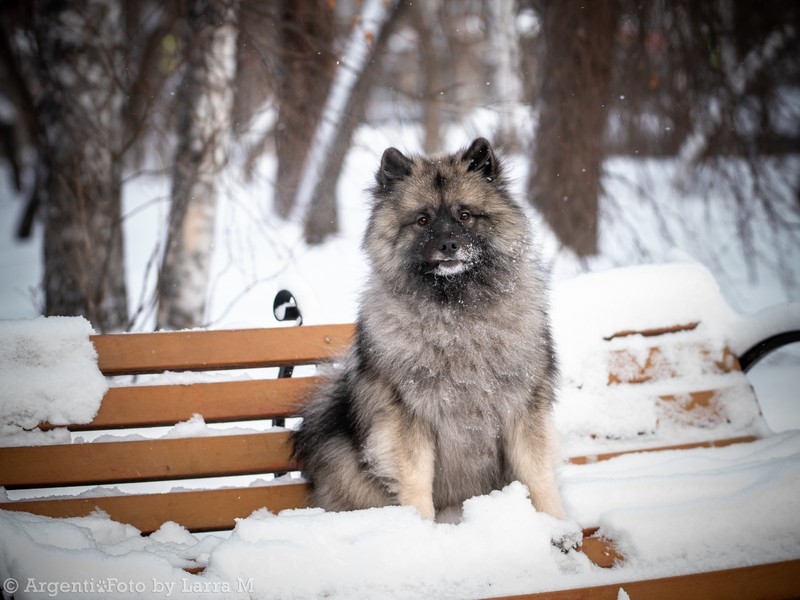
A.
pixel 447 390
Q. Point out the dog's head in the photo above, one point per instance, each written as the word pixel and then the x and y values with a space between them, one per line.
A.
pixel 444 222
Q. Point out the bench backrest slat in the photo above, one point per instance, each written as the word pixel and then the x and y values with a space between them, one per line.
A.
pixel 145 460
pixel 136 353
pixel 157 405
pixel 197 510
pixel 626 366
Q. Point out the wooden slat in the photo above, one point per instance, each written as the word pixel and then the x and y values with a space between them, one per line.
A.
pixel 133 353
pixel 599 550
pixel 625 366
pixel 157 405
pixel 655 331
pixel 779 580
pixel 197 510
pixel 120 462
pixel 582 460
pixel 691 401
pixel 117 462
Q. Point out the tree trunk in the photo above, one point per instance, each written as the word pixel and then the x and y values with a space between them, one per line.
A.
pixel 423 19
pixel 506 79
pixel 305 68
pixel 568 156
pixel 315 201
pixel 79 112
pixel 205 98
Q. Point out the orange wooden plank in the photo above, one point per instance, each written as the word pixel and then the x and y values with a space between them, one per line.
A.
pixel 779 580
pixel 110 462
pixel 691 401
pixel 599 550
pixel 219 402
pixel 117 462
pixel 653 331
pixel 132 353
pixel 197 510
pixel 582 460
pixel 156 405
pixel 625 366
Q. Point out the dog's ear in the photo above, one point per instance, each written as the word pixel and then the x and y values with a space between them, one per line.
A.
pixel 481 158
pixel 395 166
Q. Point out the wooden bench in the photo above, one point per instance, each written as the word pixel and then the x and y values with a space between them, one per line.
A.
pixel 58 469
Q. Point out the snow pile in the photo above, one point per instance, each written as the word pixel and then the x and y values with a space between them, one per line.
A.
pixel 48 372
pixel 766 323
pixel 598 305
pixel 502 545
pixel 595 414
pixel 694 510
pixel 95 557
pixel 390 552
pixel 671 512
pixel 589 309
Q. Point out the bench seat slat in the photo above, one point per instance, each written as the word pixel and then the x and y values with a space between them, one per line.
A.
pixel 197 510
pixel 135 353
pixel 653 331
pixel 770 580
pixel 143 460
pixel 155 405
pixel 626 366
pixel 217 510
pixel 721 443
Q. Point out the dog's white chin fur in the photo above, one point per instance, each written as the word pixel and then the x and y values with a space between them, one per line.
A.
pixel 449 268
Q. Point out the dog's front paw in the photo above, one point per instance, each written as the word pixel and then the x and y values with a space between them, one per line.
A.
pixel 568 539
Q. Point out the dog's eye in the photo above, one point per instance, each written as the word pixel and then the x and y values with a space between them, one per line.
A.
pixel 422 220
pixel 464 216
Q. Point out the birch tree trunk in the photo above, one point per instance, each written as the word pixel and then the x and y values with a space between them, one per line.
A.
pixel 315 201
pixel 305 68
pixel 506 76
pixel 423 18
pixel 79 114
pixel 205 98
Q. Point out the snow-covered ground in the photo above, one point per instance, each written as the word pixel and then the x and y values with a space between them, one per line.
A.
pixel 671 512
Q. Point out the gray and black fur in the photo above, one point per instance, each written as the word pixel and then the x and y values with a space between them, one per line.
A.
pixel 447 390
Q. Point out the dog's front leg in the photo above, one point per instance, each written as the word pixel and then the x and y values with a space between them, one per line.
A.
pixel 401 453
pixel 529 447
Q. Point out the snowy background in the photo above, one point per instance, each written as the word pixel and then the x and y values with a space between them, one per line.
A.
pixel 680 520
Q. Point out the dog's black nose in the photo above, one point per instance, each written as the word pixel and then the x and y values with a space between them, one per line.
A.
pixel 449 246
